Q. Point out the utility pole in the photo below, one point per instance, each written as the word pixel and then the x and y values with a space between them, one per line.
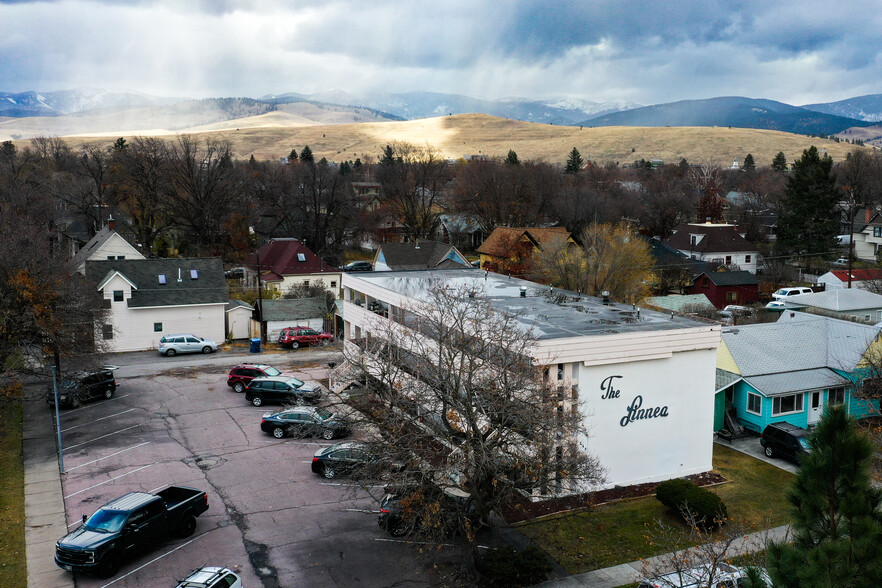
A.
pixel 57 416
pixel 260 300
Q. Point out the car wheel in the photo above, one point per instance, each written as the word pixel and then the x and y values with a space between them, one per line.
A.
pixel 171 353
pixel 295 345
pixel 108 394
pixel 278 432
pixel 239 387
pixel 187 526
pixel 326 342
pixel 769 451
pixel 257 401
pixel 328 434
pixel 329 472
pixel 74 401
pixel 110 565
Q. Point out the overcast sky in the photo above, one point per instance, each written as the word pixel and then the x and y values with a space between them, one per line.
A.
pixel 599 50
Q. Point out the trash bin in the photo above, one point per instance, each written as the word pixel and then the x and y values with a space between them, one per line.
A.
pixel 255 345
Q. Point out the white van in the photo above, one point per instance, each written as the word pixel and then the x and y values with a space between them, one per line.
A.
pixel 794 291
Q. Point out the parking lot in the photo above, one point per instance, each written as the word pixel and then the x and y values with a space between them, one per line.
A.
pixel 175 422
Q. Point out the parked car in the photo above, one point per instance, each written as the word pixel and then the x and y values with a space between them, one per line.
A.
pixel 342 459
pixel 358 266
pixel 304 421
pixel 785 440
pixel 241 375
pixel 171 345
pixel 129 525
pixel 295 337
pixel 794 291
pixel 841 262
pixel 83 387
pixel 282 389
pixel 725 576
pixel 402 508
pixel 211 577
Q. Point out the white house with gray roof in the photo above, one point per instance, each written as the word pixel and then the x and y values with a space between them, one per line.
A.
pixel 791 369
pixel 149 298
pixel 848 304
pixel 650 360
pixel 106 244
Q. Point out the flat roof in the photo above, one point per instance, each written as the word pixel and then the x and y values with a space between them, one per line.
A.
pixel 552 313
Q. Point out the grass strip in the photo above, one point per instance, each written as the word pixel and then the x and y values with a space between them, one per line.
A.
pixel 13 566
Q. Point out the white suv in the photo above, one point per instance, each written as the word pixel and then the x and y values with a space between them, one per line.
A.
pixel 211 577
pixel 794 291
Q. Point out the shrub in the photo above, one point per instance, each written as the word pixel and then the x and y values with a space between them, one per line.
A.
pixel 506 567
pixel 685 498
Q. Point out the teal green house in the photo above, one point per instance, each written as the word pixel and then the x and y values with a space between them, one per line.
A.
pixel 791 369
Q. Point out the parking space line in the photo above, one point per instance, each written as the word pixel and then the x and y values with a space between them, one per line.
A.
pixel 69 447
pixel 351 484
pixel 96 404
pixel 96 420
pixel 111 455
pixel 155 559
pixel 421 543
pixel 110 480
pixel 364 510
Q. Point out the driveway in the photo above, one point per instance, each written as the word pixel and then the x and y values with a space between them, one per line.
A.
pixel 175 421
pixel 751 446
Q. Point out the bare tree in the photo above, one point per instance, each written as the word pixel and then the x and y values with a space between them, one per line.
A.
pixel 142 179
pixel 453 394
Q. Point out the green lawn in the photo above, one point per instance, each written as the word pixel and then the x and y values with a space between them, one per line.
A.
pixel 13 568
pixel 618 533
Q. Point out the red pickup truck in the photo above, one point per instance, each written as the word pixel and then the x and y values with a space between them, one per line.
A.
pixel 296 337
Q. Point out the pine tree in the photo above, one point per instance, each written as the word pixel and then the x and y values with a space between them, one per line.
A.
pixel 779 163
pixel 837 513
pixel 749 163
pixel 306 155
pixel 292 157
pixel 810 219
pixel 512 158
pixel 574 162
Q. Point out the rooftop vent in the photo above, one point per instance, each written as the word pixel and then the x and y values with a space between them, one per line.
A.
pixel 523 291
pixel 605 295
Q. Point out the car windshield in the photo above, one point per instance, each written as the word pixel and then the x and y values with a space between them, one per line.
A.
pixel 271 371
pixel 295 382
pixel 106 521
pixel 323 413
pixel 805 443
pixel 68 384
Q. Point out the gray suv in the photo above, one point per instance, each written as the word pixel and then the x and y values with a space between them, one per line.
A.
pixel 171 345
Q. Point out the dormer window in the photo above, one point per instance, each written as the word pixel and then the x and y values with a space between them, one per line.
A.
pixel 301 257
pixel 161 278
pixel 695 239
pixel 194 274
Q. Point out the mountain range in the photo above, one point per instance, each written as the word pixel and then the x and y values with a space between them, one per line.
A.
pixel 184 114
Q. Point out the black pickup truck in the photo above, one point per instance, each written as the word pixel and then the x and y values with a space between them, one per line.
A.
pixel 131 524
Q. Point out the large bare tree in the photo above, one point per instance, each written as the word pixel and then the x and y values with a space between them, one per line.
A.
pixel 453 393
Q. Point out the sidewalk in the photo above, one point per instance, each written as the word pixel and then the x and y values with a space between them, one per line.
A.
pixel 631 573
pixel 45 521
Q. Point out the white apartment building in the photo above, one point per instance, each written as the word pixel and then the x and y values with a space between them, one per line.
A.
pixel 644 380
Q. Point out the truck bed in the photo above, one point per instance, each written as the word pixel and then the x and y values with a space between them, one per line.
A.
pixel 174 496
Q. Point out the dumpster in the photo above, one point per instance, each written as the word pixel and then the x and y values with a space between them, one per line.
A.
pixel 255 345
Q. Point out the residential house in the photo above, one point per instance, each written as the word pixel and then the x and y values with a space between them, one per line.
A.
pixel 608 359
pixel 791 369
pixel 864 279
pixel 239 322
pixel 106 244
pixel 674 271
pixel 510 249
pixel 721 243
pixel 279 313
pixel 418 255
pixel 368 195
pixel 149 298
pixel 847 304
pixel 866 235
pixel 285 263
pixel 460 230
pixel 725 288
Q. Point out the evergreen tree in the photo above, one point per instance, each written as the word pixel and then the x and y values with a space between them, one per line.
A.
pixel 837 513
pixel 749 163
pixel 306 155
pixel 779 163
pixel 292 156
pixel 574 162
pixel 345 168
pixel 388 156
pixel 357 165
pixel 512 158
pixel 810 219
pixel 120 145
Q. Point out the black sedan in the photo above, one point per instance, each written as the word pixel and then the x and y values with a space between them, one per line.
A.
pixel 304 421
pixel 342 459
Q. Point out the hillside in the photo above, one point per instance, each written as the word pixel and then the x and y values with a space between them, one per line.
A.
pixel 478 134
pixel 731 111
pixel 867 108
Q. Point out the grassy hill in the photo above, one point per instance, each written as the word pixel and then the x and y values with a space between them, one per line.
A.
pixel 274 134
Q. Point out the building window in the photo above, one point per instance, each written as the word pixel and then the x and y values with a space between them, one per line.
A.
pixel 836 396
pixel 306 283
pixel 877 231
pixel 194 274
pixel 301 257
pixel 161 278
pixel 787 404
pixel 333 283
pixel 705 283
pixel 107 331
pixel 746 259
pixel 560 371
pixel 732 296
pixel 109 257
pixel 157 327
pixel 754 404
pixel 117 295
pixel 728 260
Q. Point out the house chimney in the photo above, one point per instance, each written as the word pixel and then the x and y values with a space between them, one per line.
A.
pixel 868 213
pixel 111 224
pixel 605 295
pixel 523 291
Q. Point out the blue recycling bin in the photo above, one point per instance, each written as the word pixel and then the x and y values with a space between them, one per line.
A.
pixel 255 345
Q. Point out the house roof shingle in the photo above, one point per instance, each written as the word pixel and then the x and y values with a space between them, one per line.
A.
pixel 717 239
pixel 208 287
pixel 294 309
pixel 838 300
pixel 859 275
pixel 420 255
pixel 500 241
pixel 739 278
pixel 288 257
